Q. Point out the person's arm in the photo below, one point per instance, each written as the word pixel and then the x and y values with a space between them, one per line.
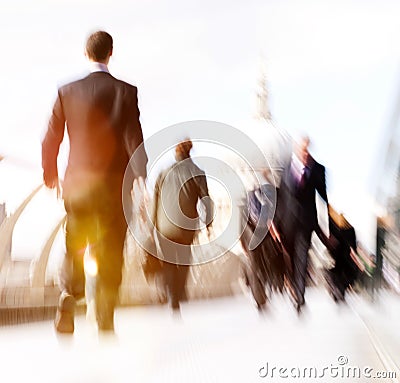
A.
pixel 51 144
pixel 323 238
pixel 134 137
pixel 156 196
pixel 205 199
pixel 320 183
pixel 281 199
pixel 350 238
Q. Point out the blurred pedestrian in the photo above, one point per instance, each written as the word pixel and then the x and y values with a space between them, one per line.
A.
pixel 102 119
pixel 296 213
pixel 263 267
pixel 342 245
pixel 177 192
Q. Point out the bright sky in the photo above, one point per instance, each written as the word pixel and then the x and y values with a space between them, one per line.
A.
pixel 332 68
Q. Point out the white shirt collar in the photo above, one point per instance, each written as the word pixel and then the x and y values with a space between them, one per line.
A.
pixel 297 167
pixel 98 67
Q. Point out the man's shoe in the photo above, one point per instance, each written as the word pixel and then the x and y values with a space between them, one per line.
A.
pixel 64 322
pixel 300 305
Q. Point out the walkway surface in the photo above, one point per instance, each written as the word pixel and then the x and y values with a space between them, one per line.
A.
pixel 219 340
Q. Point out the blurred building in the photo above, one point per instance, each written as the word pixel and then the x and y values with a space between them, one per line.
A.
pixel 388 197
pixel 3 213
pixel 393 205
pixel 388 242
pixel 274 142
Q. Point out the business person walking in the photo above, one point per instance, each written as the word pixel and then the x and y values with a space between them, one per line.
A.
pixel 101 116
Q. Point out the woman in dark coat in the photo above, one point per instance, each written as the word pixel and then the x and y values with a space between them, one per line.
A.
pixel 342 246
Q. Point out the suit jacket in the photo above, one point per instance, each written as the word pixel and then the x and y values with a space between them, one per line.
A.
pixel 176 193
pixel 102 118
pixel 296 206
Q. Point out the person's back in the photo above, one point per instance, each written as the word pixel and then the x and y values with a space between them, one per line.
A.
pixel 102 119
pixel 96 125
pixel 180 188
pixel 95 118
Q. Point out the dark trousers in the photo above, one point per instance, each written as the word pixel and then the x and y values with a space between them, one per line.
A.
pixel 254 271
pixel 97 221
pixel 297 244
pixel 174 273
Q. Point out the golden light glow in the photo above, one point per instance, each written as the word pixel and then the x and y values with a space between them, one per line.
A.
pixel 89 262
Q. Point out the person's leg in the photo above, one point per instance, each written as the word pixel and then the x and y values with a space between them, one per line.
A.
pixel 168 275
pixel 169 271
pixel 289 259
pixel 72 278
pixel 174 285
pixel 164 277
pixel 109 243
pixel 300 263
pixel 334 284
pixel 255 278
pixel 175 274
pixel 181 273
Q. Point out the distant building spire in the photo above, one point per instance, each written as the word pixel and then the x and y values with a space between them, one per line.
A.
pixel 263 111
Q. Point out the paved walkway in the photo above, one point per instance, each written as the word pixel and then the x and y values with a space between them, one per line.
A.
pixel 220 340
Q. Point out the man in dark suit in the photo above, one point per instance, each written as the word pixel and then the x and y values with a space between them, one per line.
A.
pixel 102 119
pixel 296 213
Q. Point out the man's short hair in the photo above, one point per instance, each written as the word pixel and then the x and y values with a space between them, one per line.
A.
pixel 184 146
pixel 99 45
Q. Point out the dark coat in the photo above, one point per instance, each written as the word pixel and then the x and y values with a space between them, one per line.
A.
pixel 296 205
pixel 102 119
pixel 344 239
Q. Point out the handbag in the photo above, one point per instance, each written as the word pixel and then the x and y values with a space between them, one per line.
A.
pixel 150 262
